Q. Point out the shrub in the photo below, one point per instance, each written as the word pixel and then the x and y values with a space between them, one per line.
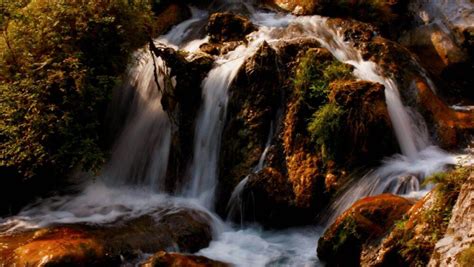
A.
pixel 59 62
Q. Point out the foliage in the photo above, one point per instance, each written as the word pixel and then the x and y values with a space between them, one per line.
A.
pixel 325 127
pixel 314 76
pixel 59 62
pixel 315 72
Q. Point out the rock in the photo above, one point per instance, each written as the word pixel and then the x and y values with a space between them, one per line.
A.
pixel 177 260
pixel 168 15
pixel 368 133
pixel 388 14
pixel 254 98
pixel 99 245
pixel 456 247
pixel 412 240
pixel 398 63
pixel 225 27
pixel 182 103
pixel 366 220
pixel 55 246
pixel 268 198
pixel 441 36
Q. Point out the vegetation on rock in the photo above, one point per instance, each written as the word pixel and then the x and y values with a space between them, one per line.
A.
pixel 59 62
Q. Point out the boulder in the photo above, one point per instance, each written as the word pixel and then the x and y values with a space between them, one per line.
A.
pixel 268 198
pixel 177 260
pixel 366 220
pixel 99 245
pixel 225 27
pixel 367 131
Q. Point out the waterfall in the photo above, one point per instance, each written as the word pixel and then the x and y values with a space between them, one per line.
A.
pixel 141 153
pixel 131 184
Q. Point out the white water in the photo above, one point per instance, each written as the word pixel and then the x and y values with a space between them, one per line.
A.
pixel 137 168
pixel 209 125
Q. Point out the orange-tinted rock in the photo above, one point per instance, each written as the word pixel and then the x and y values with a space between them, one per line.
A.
pixel 105 245
pixel 399 64
pixel 177 260
pixel 366 220
pixel 56 246
pixel 451 126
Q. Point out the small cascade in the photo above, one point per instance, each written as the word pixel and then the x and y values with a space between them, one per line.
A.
pixel 141 153
pixel 236 205
pixel 210 122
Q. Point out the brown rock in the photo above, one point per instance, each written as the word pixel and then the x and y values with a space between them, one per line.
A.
pixel 412 241
pixel 366 220
pixel 224 27
pixel 177 260
pixel 99 245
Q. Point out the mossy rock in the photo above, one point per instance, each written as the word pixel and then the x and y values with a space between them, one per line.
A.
pixel 366 220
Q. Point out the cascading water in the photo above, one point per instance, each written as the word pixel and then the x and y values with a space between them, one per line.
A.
pixel 210 123
pixel 137 168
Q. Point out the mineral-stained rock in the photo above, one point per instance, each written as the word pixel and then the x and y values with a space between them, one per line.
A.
pixel 368 219
pixel 99 245
pixel 178 260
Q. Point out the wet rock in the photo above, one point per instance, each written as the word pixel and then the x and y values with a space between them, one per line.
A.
pixel 99 245
pixel 368 133
pixel 412 240
pixel 367 219
pixel 182 102
pixel 224 27
pixel 177 260
pixel 254 98
pixel 398 63
pixel 389 14
pixel 268 198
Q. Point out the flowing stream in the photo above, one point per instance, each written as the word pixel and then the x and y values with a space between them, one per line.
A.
pixel 132 183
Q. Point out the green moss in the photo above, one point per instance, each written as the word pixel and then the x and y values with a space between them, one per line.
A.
pixel 325 127
pixel 314 74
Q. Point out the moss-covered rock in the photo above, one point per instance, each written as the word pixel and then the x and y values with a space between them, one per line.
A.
pixel 412 240
pixel 105 245
pixel 177 260
pixel 366 220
